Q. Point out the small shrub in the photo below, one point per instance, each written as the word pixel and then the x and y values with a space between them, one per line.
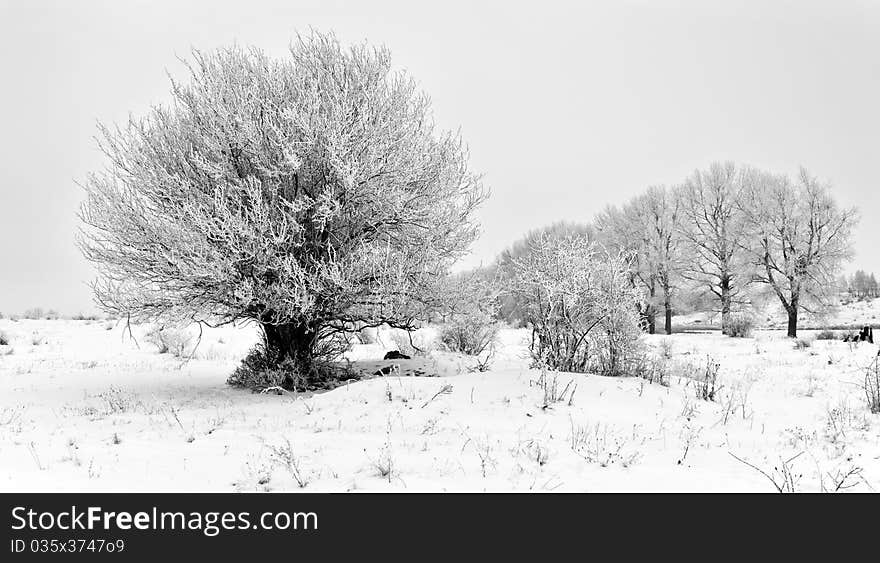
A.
pixel 211 353
pixel 740 326
pixel 177 341
pixel 842 418
pixel 553 391
pixel 737 397
pixel 471 333
pixel 469 312
pixel 115 400
pixel 5 340
pixel 411 343
pixel 261 371
pixel 617 350
pixel 706 382
pixel 384 464
pixel 802 344
pixel 535 451
pixel 170 341
pixel 285 457
pixel 653 369
pixel 483 364
pixel 37 339
pixel 597 443
pixel 83 317
pixel 581 307
pixel 828 335
pixel 665 346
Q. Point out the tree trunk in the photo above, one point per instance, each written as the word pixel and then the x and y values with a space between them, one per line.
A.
pixel 651 316
pixel 667 307
pixel 725 305
pixel 792 322
pixel 291 345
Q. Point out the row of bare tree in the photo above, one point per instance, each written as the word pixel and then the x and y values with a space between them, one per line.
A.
pixel 860 285
pixel 726 228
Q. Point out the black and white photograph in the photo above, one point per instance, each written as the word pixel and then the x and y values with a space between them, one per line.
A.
pixel 439 247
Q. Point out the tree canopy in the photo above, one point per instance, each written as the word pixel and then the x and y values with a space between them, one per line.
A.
pixel 307 194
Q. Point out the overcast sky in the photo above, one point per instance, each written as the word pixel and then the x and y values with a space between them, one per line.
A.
pixel 566 106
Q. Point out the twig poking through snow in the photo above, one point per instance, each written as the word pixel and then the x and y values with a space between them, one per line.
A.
pixel 35 456
pixel 445 390
pixel 786 482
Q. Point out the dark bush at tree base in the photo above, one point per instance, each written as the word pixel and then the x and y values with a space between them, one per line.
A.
pixel 740 326
pixel 263 368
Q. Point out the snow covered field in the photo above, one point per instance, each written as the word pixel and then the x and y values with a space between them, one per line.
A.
pixel 85 407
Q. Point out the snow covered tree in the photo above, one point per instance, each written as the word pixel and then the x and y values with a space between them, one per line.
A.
pixel 861 285
pixel 468 312
pixel 558 230
pixel 798 237
pixel 712 228
pixel 579 303
pixel 510 309
pixel 648 228
pixel 310 195
pixel 659 208
pixel 617 231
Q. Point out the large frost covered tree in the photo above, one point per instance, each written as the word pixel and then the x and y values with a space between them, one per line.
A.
pixel 713 231
pixel 311 195
pixel 799 238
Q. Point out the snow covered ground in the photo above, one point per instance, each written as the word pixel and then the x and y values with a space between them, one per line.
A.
pixel 85 407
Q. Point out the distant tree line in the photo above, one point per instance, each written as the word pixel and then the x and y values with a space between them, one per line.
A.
pixel 860 285
pixel 721 235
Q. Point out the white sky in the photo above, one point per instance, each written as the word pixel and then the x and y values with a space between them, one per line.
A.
pixel 566 106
